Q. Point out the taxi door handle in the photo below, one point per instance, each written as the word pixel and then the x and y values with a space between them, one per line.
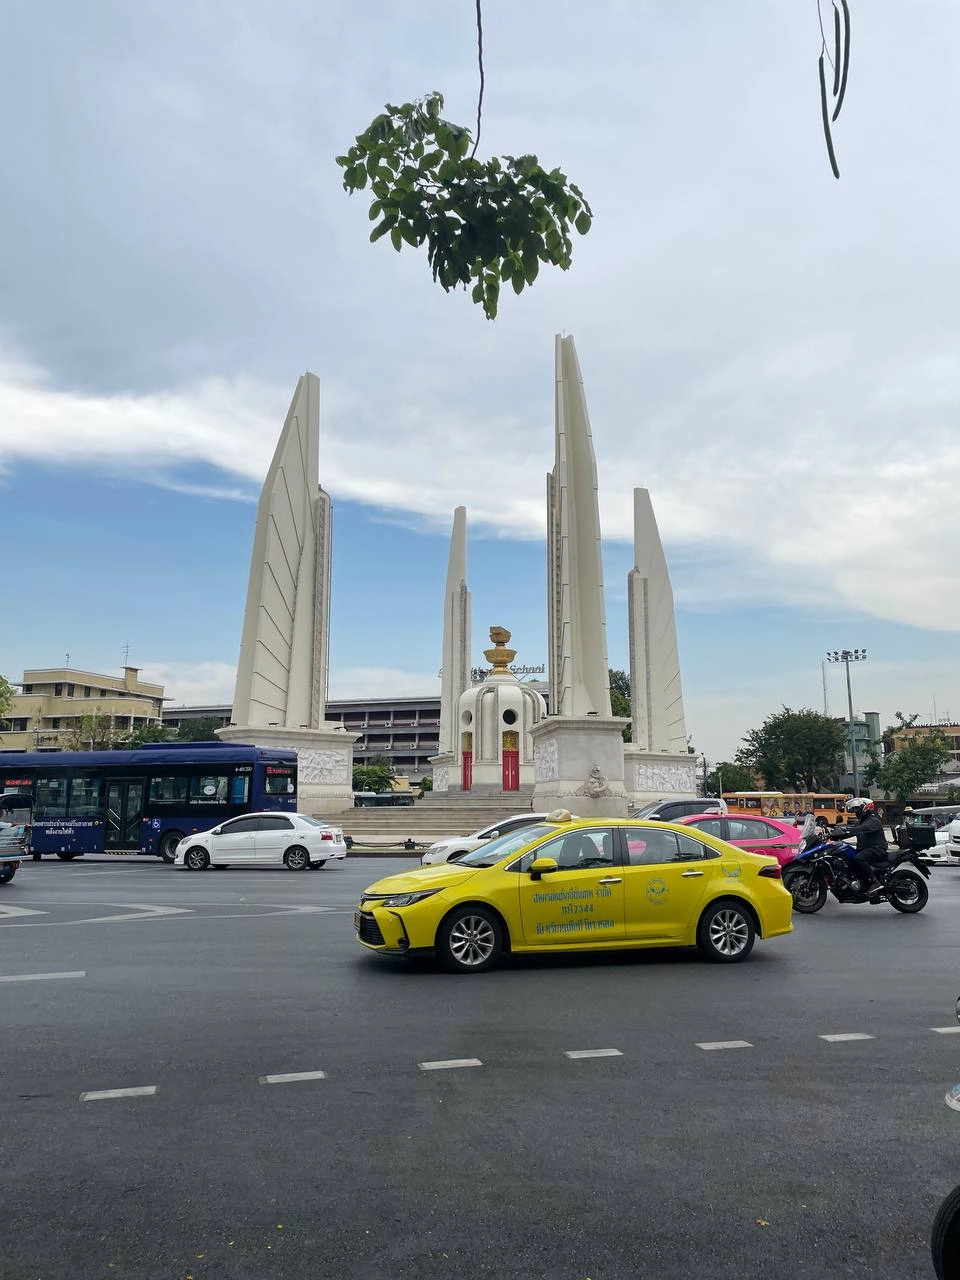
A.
pixel 684 874
pixel 611 880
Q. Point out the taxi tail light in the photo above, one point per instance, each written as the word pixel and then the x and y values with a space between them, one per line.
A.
pixel 773 873
pixel 326 835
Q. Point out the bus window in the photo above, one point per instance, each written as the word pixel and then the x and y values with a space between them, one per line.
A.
pixel 278 782
pixel 240 789
pixel 51 801
pixel 209 788
pixel 168 790
pixel 85 796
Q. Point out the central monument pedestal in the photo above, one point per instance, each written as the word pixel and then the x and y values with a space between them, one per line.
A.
pixel 324 762
pixel 578 765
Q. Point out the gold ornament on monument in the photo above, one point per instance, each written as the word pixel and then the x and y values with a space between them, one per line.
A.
pixel 500 656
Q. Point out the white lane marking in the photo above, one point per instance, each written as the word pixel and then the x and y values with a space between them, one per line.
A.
pixel 37 977
pixel 846 1035
pixel 946 1031
pixel 141 911
pixel 725 1044
pixel 96 1095
pixel 6 911
pixel 290 1076
pixel 592 1053
pixel 450 1063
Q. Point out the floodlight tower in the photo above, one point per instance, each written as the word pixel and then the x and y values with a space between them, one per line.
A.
pixel 846 656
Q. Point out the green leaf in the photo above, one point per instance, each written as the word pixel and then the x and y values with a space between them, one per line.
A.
pixel 374 211
pixel 383 227
pixel 583 223
pixel 396 238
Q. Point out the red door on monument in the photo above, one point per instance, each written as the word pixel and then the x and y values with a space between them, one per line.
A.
pixel 466 767
pixel 511 771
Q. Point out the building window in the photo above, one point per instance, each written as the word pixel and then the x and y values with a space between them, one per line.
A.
pixel 55 722
pixel 86 691
pixel 58 690
pixel 70 689
pixel 28 688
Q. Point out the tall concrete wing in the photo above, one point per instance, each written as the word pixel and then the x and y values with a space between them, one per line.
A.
pixel 658 722
pixel 282 673
pixel 455 677
pixel 579 675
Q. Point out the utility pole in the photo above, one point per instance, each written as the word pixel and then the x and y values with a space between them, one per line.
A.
pixel 846 656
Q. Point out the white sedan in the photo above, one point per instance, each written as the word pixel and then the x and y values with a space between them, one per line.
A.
pixel 292 840
pixel 456 846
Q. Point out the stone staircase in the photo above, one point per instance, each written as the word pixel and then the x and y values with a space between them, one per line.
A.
pixel 425 821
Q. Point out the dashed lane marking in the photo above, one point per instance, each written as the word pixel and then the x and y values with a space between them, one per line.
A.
pixel 141 911
pixel 946 1031
pixel 98 1095
pixel 450 1064
pixel 290 1076
pixel 39 977
pixel 846 1035
pixel 725 1044
pixel 593 1053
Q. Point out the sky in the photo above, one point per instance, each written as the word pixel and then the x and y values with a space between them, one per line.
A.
pixel 772 353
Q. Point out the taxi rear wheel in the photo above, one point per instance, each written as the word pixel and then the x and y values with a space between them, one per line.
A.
pixel 726 932
pixel 470 940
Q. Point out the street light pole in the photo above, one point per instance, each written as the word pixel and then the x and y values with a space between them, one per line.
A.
pixel 846 656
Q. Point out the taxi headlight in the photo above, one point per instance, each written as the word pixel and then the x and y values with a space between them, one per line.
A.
pixel 407 899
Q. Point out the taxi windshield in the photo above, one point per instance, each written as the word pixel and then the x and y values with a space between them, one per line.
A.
pixel 496 850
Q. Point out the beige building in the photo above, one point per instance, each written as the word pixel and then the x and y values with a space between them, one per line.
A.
pixel 60 709
pixel 949 731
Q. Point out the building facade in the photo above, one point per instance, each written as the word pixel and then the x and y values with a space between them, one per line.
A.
pixel 62 709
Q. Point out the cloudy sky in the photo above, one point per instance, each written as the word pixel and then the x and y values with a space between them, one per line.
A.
pixel 771 352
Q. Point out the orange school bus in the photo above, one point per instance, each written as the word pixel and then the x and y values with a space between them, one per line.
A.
pixel 774 804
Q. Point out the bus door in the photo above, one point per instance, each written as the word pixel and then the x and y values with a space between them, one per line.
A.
pixel 124 813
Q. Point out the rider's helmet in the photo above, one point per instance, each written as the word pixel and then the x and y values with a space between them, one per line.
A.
pixel 860 805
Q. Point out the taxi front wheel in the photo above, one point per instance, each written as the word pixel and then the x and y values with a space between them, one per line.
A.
pixel 726 932
pixel 470 940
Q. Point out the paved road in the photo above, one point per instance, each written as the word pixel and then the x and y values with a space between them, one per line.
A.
pixel 791 1154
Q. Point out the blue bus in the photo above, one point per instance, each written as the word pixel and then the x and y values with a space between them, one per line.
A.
pixel 142 801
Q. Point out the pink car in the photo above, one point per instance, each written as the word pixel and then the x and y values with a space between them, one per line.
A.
pixel 771 836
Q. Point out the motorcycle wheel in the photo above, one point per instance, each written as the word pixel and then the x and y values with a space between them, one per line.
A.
pixel 808 891
pixel 908 893
pixel 945 1238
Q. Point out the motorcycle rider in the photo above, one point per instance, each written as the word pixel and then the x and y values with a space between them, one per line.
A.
pixel 871 842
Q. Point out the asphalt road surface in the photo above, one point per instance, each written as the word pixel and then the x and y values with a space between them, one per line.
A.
pixel 783 1153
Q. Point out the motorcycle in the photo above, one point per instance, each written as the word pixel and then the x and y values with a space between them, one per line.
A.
pixel 827 866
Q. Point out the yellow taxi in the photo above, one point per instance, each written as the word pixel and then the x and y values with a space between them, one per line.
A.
pixel 583 884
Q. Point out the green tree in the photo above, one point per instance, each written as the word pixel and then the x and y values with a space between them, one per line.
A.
pixel 372 777
pixel 7 695
pixel 488 221
pixel 904 772
pixel 620 704
pixel 728 776
pixel 142 734
pixel 96 731
pixel 891 731
pixel 426 784
pixel 202 729
pixel 795 750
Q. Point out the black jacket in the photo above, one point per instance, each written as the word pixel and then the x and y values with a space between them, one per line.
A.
pixel 869 833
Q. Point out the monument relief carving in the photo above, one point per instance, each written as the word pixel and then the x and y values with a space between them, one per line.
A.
pixel 441 778
pixel 595 785
pixel 317 767
pixel 546 763
pixel 665 778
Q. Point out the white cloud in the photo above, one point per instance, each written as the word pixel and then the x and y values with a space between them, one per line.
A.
pixel 192 684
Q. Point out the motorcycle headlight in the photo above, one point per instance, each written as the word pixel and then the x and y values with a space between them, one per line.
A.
pixel 407 899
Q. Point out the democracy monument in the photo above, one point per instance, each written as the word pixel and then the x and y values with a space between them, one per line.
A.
pixel 497 736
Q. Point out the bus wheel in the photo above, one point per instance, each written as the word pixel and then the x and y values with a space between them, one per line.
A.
pixel 197 859
pixel 167 848
pixel 297 859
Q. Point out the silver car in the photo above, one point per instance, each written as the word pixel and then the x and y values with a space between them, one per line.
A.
pixel 292 840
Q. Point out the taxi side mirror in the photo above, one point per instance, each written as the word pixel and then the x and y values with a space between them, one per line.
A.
pixel 542 867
